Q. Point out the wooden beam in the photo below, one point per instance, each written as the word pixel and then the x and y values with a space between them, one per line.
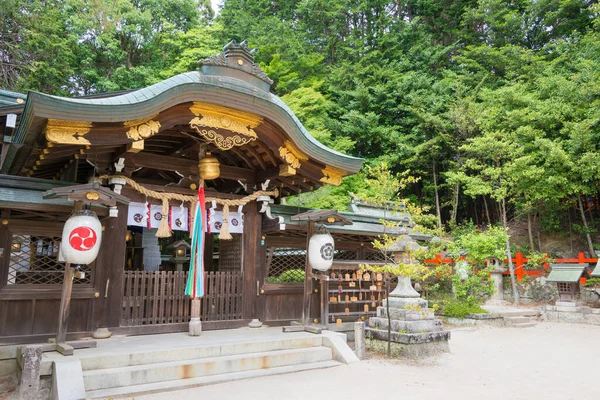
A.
pixel 186 167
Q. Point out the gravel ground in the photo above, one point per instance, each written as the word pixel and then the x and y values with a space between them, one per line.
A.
pixel 547 361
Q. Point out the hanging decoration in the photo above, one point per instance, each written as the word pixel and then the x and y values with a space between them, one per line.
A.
pixel 195 283
pixel 235 222
pixel 320 251
pixel 208 167
pixel 163 228
pixel 81 238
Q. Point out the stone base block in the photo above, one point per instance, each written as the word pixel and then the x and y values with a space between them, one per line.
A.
pixel 404 314
pixel 408 326
pixel 195 327
pixel 401 350
pixel 572 317
pixel 408 338
pixel 404 302
pixel 8 367
pixel 497 322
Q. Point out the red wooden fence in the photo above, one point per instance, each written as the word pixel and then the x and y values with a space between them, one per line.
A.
pixel 157 297
pixel 519 262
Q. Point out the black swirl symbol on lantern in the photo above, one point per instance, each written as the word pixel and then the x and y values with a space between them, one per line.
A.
pixel 157 216
pixel 178 222
pixel 327 251
pixel 234 222
pixel 218 225
pixel 138 217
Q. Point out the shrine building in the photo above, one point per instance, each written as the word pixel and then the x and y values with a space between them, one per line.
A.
pixel 152 146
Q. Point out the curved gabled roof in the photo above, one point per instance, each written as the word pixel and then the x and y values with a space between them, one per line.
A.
pixel 234 85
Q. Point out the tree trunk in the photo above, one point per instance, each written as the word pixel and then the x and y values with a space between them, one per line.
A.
pixel 455 203
pixel 585 224
pixel 389 317
pixel 438 212
pixel 487 210
pixel 511 268
pixel 529 231
pixel 570 229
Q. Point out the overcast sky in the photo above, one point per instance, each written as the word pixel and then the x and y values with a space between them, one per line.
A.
pixel 215 5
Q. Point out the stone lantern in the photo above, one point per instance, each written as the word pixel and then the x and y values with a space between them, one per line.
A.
pixel 181 253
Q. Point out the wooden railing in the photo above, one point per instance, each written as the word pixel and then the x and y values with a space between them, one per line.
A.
pixel 520 261
pixel 157 297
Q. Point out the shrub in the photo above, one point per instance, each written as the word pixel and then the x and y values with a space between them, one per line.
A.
pixel 460 308
pixel 593 282
pixel 289 276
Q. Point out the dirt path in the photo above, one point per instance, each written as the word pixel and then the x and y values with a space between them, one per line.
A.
pixel 547 361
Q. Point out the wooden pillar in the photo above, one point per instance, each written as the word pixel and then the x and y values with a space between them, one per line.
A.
pixel 308 291
pixel 110 266
pixel 5 249
pixel 65 304
pixel 250 245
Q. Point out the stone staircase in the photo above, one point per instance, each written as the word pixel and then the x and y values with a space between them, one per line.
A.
pixel 515 317
pixel 129 373
pixel 519 321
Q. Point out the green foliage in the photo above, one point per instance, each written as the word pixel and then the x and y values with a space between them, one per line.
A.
pixel 477 287
pixel 537 260
pixel 461 308
pixel 491 105
pixel 478 246
pixel 289 276
pixel 592 282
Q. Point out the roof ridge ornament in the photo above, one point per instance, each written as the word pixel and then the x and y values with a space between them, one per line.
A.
pixel 238 56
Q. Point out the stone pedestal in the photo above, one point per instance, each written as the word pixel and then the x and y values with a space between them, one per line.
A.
pixel 255 323
pixel 414 330
pixel 497 277
pixel 195 326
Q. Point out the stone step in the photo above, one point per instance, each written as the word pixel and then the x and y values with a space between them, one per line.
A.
pixel 128 392
pixel 124 359
pixel 571 304
pixel 208 366
pixel 421 326
pixel 516 320
pixel 524 325
pixel 514 313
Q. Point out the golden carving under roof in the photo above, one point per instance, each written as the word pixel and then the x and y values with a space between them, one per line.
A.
pixel 286 170
pixel 291 155
pixel 222 142
pixel 332 175
pixel 220 117
pixel 142 128
pixel 61 131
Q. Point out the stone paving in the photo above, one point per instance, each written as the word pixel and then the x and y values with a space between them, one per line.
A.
pixel 546 361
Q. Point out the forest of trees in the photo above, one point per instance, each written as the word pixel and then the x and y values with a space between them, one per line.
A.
pixel 490 109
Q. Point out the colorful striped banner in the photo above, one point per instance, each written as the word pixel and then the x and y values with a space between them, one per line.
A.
pixel 195 283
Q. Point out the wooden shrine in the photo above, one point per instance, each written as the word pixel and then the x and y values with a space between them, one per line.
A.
pixel 148 145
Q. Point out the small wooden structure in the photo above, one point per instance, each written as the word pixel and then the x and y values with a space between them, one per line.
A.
pixel 567 278
pixel 322 217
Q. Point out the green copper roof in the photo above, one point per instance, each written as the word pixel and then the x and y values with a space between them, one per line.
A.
pixel 565 272
pixel 219 82
pixel 361 224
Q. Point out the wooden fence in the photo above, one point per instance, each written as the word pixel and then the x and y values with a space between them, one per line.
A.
pixel 519 264
pixel 157 297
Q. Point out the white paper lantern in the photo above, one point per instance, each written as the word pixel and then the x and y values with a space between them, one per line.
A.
pixel 81 238
pixel 320 251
